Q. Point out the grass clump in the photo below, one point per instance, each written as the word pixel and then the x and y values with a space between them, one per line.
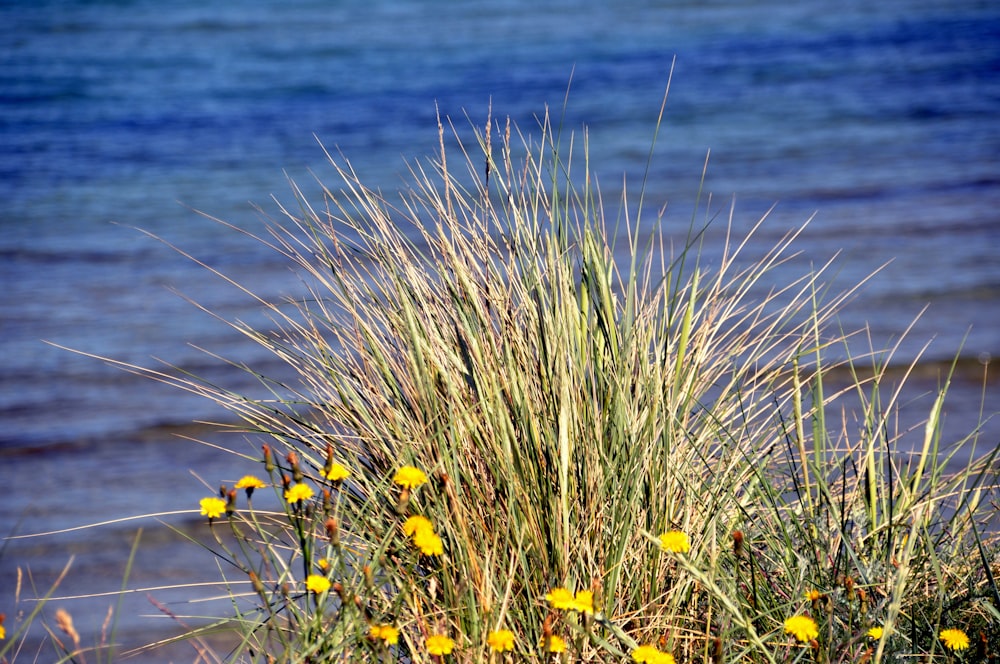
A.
pixel 501 444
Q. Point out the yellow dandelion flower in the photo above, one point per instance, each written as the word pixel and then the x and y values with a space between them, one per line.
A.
pixel 428 542
pixel 250 482
pixel 556 643
pixel 675 541
pixel 387 634
pixel 337 473
pixel 954 639
pixel 876 633
pixel 584 601
pixel 409 477
pixel 212 507
pixel 651 655
pixel 645 654
pixel 439 644
pixel 561 599
pixel 802 628
pixel 501 640
pixel 298 492
pixel 813 595
pixel 417 523
pixel 317 583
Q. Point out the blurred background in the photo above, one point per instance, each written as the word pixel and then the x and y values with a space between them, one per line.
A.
pixel 881 118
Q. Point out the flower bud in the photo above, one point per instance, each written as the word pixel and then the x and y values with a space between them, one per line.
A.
pixel 268 460
pixel 293 463
pixel 403 502
pixel 333 531
pixel 738 543
pixel 329 459
pixel 258 587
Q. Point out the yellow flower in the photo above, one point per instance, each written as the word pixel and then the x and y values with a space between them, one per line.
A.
pixel 813 595
pixel 675 542
pixel 409 477
pixel 3 632
pixel 439 644
pixel 584 601
pixel 645 654
pixel 428 542
pixel 561 599
pixel 651 655
pixel 501 640
pixel 416 524
pixel 802 628
pixel 337 473
pixel 955 639
pixel 317 584
pixel 556 643
pixel 875 633
pixel 298 492
pixel 212 507
pixel 249 482
pixel 385 633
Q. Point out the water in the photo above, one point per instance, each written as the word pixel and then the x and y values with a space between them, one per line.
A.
pixel 882 118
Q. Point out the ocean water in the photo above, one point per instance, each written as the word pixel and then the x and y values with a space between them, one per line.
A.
pixel 881 119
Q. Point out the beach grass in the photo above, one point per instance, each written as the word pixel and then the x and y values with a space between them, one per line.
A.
pixel 502 442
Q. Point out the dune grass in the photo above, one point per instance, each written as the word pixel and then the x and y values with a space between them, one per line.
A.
pixel 503 444
pixel 60 633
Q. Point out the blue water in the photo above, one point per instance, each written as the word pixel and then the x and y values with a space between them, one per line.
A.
pixel 882 118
